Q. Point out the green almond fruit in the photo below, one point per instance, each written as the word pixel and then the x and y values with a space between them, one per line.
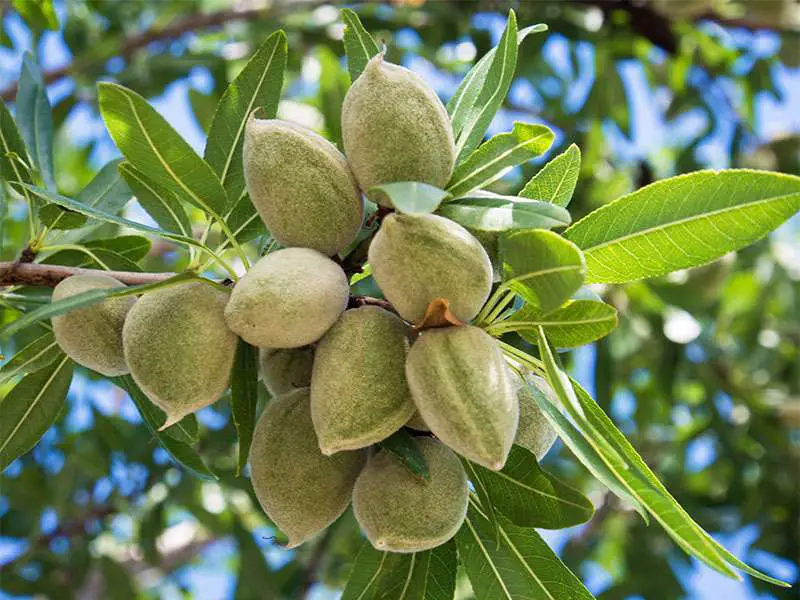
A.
pixel 395 128
pixel 417 259
pixel 92 335
pixel 462 389
pixel 301 186
pixel 359 394
pixel 290 298
pixel 399 512
pixel 534 431
pixel 286 369
pixel 178 348
pixel 301 490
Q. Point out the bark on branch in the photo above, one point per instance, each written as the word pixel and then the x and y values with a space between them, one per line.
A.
pixel 18 273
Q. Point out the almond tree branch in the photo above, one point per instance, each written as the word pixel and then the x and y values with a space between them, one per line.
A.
pixel 129 45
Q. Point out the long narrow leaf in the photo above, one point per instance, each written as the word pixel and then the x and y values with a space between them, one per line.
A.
pixel 31 407
pixel 35 356
pixel 521 566
pixel 244 397
pixel 35 119
pixel 160 203
pixel 182 453
pixel 496 156
pixel 556 181
pixel 154 147
pixel 258 85
pixel 359 45
pixel 682 222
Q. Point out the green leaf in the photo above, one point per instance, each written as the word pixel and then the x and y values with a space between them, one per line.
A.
pixel 31 407
pixel 520 566
pixel 496 156
pixel 541 267
pixel 160 203
pixel 35 119
pixel 39 14
pixel 484 211
pixel 13 155
pixel 411 197
pixel 682 222
pixel 556 181
pixel 181 452
pixel 56 217
pixel 529 496
pixel 87 299
pixel 474 84
pixel 244 222
pixel 577 323
pixel 132 247
pixel 643 483
pixel 99 258
pixel 109 218
pixel 106 192
pixel 37 355
pixel 151 145
pixel 258 85
pixel 359 45
pixel 333 84
pixel 429 575
pixel 401 445
pixel 244 397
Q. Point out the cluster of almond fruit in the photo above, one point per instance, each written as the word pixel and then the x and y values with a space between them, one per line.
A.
pixel 342 380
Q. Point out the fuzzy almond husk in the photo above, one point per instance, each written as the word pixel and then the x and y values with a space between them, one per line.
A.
pixel 534 431
pixel 92 335
pixel 286 369
pixel 178 348
pixel 359 394
pixel 301 490
pixel 301 186
pixel 462 389
pixel 417 259
pixel 395 128
pixel 401 513
pixel 290 298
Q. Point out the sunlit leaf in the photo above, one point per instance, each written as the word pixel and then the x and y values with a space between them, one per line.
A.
pixel 482 211
pixel 496 156
pixel 160 203
pixel 681 222
pixel 542 267
pixel 151 145
pixel 359 45
pixel 37 355
pixel 258 85
pixel 411 197
pixel 556 181
pixel 35 119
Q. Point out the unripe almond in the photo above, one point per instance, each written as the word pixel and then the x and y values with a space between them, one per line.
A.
pixel 462 389
pixel 286 369
pixel 299 488
pixel 417 259
pixel 290 298
pixel 534 431
pixel 359 394
pixel 399 512
pixel 395 128
pixel 92 336
pixel 178 347
pixel 301 186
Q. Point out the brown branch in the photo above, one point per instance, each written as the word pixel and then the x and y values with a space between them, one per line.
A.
pixel 175 29
pixel 17 273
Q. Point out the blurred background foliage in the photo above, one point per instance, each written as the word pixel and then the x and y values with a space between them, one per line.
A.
pixel 703 373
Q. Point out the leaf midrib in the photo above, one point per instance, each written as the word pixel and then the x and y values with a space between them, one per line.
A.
pixel 537 491
pixel 689 219
pixel 33 403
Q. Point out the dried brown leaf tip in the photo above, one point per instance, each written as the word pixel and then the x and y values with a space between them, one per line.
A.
pixel 438 314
